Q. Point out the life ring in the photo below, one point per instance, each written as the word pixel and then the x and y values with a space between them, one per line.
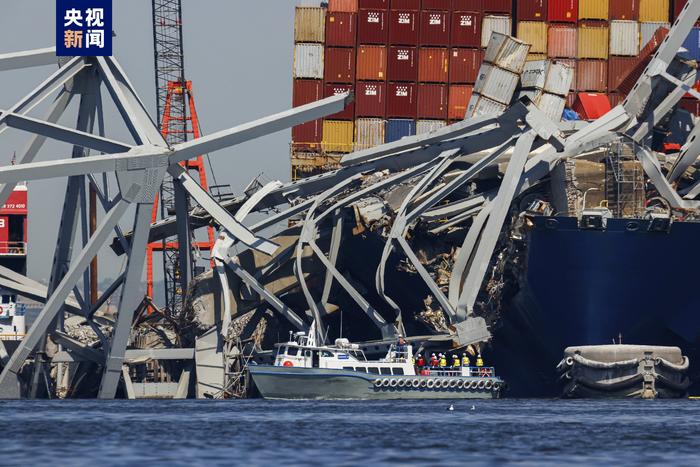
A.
pixel 393 383
pixel 415 383
pixel 454 383
pixel 287 363
pixel 430 384
pixel 488 385
pixel 481 384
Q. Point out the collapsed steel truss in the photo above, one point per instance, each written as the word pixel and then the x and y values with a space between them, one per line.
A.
pixel 436 165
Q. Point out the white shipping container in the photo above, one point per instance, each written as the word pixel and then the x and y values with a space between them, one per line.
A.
pixel 624 38
pixel 480 105
pixel 496 83
pixel 534 74
pixel 428 126
pixel 369 132
pixel 647 31
pixel 559 78
pixel 552 105
pixel 308 61
pixel 497 24
pixel 507 52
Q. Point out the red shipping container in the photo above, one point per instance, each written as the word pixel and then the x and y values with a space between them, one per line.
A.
pixel 591 106
pixel 615 99
pixel 563 11
pixel 643 60
pixel 433 65
pixel 691 105
pixel 562 40
pixel 371 62
pixel 464 65
pixel 432 101
pixel 403 64
pixel 618 69
pixel 592 75
pixel 333 90
pixel 435 28
pixel 339 65
pixel 401 100
pixel 341 29
pixel 443 5
pixel 403 27
pixel 405 5
pixel 307 136
pixel 372 27
pixel 374 4
pixel 466 29
pixel 468 5
pixel 497 6
pixel 370 99
pixel 624 10
pixel 458 101
pixel 342 5
pixel 531 10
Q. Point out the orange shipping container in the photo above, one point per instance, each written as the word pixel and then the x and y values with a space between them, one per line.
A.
pixel 458 102
pixel 349 6
pixel 433 65
pixel 562 41
pixel 371 62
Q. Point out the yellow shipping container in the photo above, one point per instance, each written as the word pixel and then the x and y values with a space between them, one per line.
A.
pixel 593 42
pixel 535 34
pixel 593 9
pixel 536 57
pixel 309 24
pixel 654 11
pixel 337 136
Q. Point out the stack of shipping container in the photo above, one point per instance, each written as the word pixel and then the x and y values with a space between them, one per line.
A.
pixel 412 64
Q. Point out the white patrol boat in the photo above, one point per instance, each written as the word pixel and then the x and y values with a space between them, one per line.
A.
pixel 304 370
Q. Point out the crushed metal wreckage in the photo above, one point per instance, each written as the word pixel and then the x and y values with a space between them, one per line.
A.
pixel 421 237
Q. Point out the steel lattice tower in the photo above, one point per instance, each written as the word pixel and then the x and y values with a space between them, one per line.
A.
pixel 177 119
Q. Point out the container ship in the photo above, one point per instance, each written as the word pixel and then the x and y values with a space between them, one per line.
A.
pixel 413 66
pixel 13 256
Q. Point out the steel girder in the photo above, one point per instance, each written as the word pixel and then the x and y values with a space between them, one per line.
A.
pixel 139 168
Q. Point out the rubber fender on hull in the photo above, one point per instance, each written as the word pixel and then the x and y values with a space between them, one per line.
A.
pixel 415 383
pixel 393 383
pixel 488 385
pixel 430 384
pixel 481 384
pixel 454 383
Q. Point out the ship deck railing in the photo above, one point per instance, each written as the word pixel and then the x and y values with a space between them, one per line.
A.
pixel 473 371
pixel 13 248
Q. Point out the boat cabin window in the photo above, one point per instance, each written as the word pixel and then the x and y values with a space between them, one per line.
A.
pixel 5 299
pixel 349 368
pixel 398 371
pixel 325 353
pixel 373 370
pixel 361 368
pixel 293 351
pixel 385 371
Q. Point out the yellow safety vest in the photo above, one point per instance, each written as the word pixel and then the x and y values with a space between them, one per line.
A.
pixel 443 362
pixel 414 361
pixel 479 362
pixel 465 361
pixel 455 362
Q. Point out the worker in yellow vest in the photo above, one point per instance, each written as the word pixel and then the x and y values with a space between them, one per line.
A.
pixel 443 362
pixel 455 361
pixel 465 360
pixel 479 361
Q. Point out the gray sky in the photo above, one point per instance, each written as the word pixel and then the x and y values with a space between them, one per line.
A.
pixel 238 54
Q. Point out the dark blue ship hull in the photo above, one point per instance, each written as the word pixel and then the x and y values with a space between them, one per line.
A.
pixel 587 287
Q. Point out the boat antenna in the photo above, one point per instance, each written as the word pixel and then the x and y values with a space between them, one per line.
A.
pixel 341 322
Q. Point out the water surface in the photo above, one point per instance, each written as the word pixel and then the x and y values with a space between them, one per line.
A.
pixel 258 432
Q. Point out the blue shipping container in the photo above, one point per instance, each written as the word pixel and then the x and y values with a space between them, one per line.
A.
pixel 397 129
pixel 692 43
